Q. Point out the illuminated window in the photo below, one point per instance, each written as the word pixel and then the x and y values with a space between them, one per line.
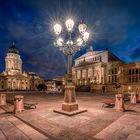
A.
pixel 112 75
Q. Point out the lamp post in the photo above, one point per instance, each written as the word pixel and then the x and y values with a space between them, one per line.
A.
pixel 70 47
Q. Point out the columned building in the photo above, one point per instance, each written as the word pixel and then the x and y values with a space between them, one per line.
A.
pixel 13 78
pixel 103 70
pixel 131 73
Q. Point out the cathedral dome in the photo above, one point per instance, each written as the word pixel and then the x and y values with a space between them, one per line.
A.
pixel 13 49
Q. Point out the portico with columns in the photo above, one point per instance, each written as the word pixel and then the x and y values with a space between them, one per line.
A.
pixel 89 74
pixel 92 68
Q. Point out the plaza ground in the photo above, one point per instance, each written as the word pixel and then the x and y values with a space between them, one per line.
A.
pixel 42 123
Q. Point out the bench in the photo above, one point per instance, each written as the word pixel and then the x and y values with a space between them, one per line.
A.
pixel 30 105
pixel 108 103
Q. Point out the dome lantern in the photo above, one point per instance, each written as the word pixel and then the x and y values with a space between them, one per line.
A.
pixel 13 49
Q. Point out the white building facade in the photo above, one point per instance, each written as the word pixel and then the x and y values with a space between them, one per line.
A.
pixel 13 78
pixel 103 70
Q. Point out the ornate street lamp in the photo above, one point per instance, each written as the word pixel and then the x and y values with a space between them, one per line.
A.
pixel 70 47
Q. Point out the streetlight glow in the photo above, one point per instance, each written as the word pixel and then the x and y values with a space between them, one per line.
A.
pixel 59 42
pixel 57 29
pixel 85 36
pixel 82 28
pixel 69 42
pixel 70 46
pixel 79 41
pixel 69 24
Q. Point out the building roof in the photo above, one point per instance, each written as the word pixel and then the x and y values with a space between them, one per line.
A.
pixel 89 53
pixel 134 64
pixel 13 49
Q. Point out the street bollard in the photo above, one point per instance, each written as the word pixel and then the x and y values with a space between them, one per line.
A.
pixel 119 103
pixel 133 98
pixel 18 104
pixel 2 99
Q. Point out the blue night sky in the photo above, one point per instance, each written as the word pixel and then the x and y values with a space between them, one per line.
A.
pixel 113 24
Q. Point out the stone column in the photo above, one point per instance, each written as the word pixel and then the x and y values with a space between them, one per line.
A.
pixel 18 104
pixel 76 82
pixel 86 77
pixel 134 98
pixel 2 99
pixel 81 78
pixel 119 103
pixel 92 71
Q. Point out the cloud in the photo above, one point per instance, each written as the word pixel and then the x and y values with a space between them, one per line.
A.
pixel 112 24
pixel 17 31
pixel 136 54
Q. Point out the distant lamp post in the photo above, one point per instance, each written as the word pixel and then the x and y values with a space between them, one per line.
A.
pixel 70 46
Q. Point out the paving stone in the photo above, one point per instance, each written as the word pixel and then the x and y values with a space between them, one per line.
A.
pixel 1 111
pixel 15 134
pixel 138 128
pixel 137 132
pixel 14 120
pixel 123 130
pixel 5 125
pixel 129 129
pixel 38 136
pixel 2 136
pixel 26 129
pixel 102 135
pixel 15 129
pixel 133 137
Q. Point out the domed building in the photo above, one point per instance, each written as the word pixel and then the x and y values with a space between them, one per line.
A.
pixel 13 78
pixel 13 61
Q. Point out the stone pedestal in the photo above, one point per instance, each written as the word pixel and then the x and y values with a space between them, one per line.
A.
pixel 133 98
pixel 70 106
pixel 119 103
pixel 70 99
pixel 2 99
pixel 18 104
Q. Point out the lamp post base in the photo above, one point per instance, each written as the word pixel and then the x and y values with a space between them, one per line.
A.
pixel 72 113
pixel 70 107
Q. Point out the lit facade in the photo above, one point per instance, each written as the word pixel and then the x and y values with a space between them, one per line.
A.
pixel 102 69
pixel 55 84
pixel 13 78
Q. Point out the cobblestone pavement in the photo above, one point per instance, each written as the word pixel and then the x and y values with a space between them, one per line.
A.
pixel 12 128
pixel 125 128
pixel 84 126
